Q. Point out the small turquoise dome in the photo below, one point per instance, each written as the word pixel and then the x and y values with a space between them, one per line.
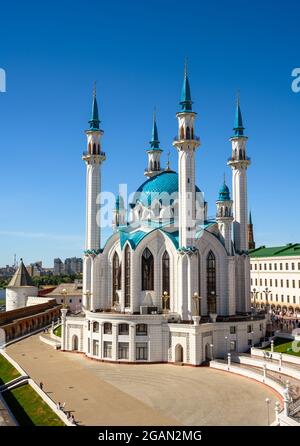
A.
pixel 224 194
pixel 154 188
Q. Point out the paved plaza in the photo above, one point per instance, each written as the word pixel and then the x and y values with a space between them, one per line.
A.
pixel 162 394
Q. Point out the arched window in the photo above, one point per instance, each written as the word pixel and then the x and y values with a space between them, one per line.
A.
pixel 116 277
pixel 107 328
pixel 226 211
pixel 211 282
pixel 127 276
pixel 147 270
pixel 96 327
pixel 98 148
pixel 192 133
pixel 187 132
pixel 240 154
pixel 166 277
pixel 90 147
pixel 94 149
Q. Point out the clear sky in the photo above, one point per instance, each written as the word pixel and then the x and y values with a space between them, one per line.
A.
pixel 53 51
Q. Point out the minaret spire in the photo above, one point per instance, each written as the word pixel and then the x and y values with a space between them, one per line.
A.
pixel 154 142
pixel 186 98
pixel 154 152
pixel 251 242
pixel 94 121
pixel 238 121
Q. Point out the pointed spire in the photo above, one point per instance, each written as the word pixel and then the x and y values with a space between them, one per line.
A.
pixel 250 218
pixel 168 161
pixel 238 122
pixel 154 143
pixel 224 193
pixel 186 99
pixel 94 121
pixel 21 277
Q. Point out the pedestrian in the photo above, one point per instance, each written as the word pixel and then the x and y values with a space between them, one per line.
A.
pixel 41 385
pixel 58 406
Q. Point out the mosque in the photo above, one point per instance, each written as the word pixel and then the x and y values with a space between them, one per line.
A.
pixel 170 284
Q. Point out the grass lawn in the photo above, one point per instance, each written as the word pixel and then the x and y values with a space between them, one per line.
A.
pixel 282 345
pixel 7 371
pixel 57 331
pixel 29 408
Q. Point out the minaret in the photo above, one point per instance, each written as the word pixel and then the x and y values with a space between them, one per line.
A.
pixel 119 214
pixel 93 158
pixel 239 163
pixel 224 216
pixel 154 153
pixel 251 242
pixel 186 144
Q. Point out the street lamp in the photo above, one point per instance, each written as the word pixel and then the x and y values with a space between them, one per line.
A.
pixel 166 298
pixel 254 295
pixel 268 311
pixel 87 294
pixel 197 299
pixel 63 293
pixel 268 402
pixel 252 333
pixel 226 344
pixel 212 351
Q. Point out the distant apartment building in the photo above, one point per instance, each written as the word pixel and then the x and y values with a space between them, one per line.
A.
pixel 72 265
pixel 35 269
pixel 58 268
pixel 275 276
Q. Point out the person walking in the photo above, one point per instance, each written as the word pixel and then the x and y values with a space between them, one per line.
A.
pixel 41 385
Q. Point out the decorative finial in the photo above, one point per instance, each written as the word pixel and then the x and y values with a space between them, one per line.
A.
pixel 224 178
pixel 186 67
pixel 238 97
pixel 95 89
pixel 154 114
pixel 168 160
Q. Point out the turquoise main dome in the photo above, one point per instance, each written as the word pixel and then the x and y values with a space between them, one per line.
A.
pixel 155 187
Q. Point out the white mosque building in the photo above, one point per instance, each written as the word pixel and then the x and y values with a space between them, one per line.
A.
pixel 170 284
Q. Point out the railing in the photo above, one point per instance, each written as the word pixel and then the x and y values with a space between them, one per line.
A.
pixel 178 138
pixel 246 158
pixel 90 154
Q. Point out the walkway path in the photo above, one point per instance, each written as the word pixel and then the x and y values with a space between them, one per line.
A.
pixel 162 394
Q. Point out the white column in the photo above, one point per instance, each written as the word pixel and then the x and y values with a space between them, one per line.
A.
pixel 114 353
pixel 132 342
pixel 64 341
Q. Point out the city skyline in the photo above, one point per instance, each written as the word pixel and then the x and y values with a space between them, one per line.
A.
pixel 48 176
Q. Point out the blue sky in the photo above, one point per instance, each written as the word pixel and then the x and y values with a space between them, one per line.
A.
pixel 52 53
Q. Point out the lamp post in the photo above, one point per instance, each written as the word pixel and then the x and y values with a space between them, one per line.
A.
pixel 63 293
pixel 212 351
pixel 268 402
pixel 226 345
pixel 252 333
pixel 87 294
pixel 165 298
pixel 269 324
pixel 254 295
pixel 197 305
